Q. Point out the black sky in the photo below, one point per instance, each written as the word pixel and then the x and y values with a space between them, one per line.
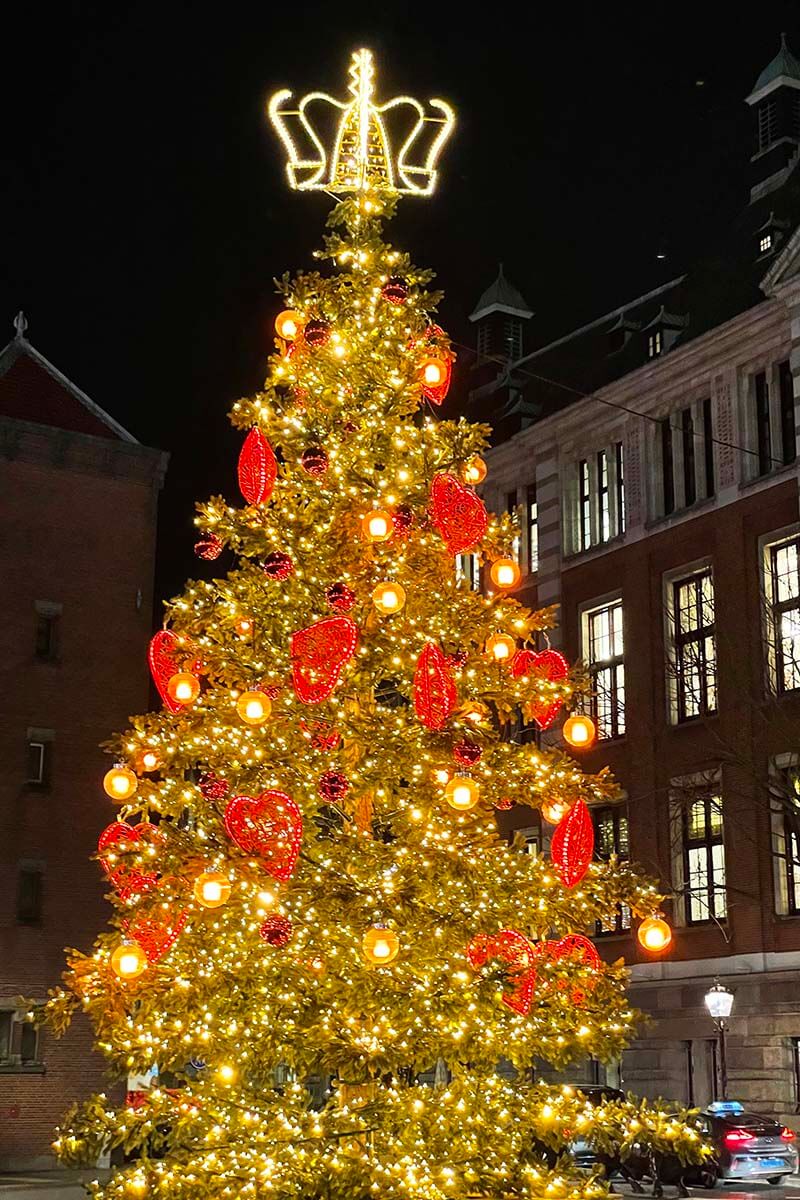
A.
pixel 145 213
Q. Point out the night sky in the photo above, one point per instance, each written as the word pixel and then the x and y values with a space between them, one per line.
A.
pixel 145 213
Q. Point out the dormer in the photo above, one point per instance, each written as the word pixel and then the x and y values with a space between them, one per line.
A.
pixel 770 236
pixel 775 101
pixel 500 315
pixel 663 331
pixel 620 333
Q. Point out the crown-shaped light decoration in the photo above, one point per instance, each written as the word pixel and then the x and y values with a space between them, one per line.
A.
pixel 362 158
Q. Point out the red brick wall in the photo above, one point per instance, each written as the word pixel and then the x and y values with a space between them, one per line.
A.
pixel 653 752
pixel 86 542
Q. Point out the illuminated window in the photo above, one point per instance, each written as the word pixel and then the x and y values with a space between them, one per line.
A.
pixel 785 813
pixel 611 840
pixel 511 508
pixel 694 655
pixel 618 450
pixel 585 504
pixel 603 503
pixel 654 344
pixel 19 1040
pixel 765 243
pixel 468 569
pixel 604 652
pixel 704 858
pixel 532 510
pixel 783 599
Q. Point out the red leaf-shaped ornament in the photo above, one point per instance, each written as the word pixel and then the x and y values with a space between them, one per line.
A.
pixel 319 654
pixel 458 514
pixel 165 657
pixel 258 468
pixel 157 935
pixel 128 880
pixel 435 694
pixel 573 844
pixel 513 949
pixel 547 665
pixel 268 827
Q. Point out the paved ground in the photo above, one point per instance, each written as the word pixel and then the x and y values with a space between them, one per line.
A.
pixel 756 1191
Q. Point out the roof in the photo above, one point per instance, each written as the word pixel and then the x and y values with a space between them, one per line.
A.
pixel 784 68
pixel 32 389
pixel 501 296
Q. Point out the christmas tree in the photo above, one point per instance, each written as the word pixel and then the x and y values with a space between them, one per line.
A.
pixel 306 870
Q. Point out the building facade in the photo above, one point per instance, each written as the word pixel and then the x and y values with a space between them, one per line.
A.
pixel 659 511
pixel 78 495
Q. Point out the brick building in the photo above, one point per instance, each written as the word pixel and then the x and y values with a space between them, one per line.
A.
pixel 78 496
pixel 652 455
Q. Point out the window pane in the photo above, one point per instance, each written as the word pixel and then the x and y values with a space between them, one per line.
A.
pixel 606 664
pixel 28 1042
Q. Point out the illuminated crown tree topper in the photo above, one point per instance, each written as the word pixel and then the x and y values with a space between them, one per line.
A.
pixel 362 158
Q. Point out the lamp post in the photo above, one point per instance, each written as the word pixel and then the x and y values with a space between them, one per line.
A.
pixel 719 1002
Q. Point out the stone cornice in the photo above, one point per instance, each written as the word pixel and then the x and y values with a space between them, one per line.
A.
pixel 64 450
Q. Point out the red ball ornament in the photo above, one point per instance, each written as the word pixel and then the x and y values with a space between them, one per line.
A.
pixel 268 827
pixel 258 468
pixel 317 333
pixel 314 461
pixel 319 655
pixel 549 665
pixel 277 565
pixel 402 519
pixel 333 786
pixel 459 659
pixel 435 694
pixel 459 515
pixel 573 844
pixel 276 931
pixel 467 753
pixel 517 955
pixel 212 787
pixel 208 547
pixel 395 290
pixel 127 880
pixel 340 597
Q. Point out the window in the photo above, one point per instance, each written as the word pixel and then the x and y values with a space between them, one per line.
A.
pixel 585 504
pixel 19 1040
pixel 762 423
pixel 512 337
pixel 785 816
pixel 667 468
pixel 46 644
pixel 528 841
pixel 38 771
pixel 788 433
pixel 611 839
pixel 694 659
pixel 29 894
pixel 532 521
pixel 484 340
pixel 708 449
pixel 765 243
pixel 511 508
pixel 604 651
pixel 467 569
pixel 703 858
pixel 767 123
pixel 654 344
pixel 783 617
pixel 687 435
pixel 620 459
pixel 603 507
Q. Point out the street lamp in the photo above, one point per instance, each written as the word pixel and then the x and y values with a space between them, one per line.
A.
pixel 719 1002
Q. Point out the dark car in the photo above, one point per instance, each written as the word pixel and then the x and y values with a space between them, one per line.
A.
pixel 749 1146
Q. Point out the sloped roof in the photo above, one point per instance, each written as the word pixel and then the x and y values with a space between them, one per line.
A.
pixel 32 389
pixel 784 66
pixel 501 296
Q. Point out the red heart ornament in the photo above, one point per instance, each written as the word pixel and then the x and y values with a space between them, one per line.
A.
pixel 319 653
pixel 257 468
pixel 573 844
pixel 128 880
pixel 580 950
pixel 548 665
pixel 164 656
pixel 269 827
pixel 435 694
pixel 458 514
pixel 513 949
pixel 157 934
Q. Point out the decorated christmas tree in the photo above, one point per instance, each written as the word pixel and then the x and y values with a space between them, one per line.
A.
pixel 306 871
